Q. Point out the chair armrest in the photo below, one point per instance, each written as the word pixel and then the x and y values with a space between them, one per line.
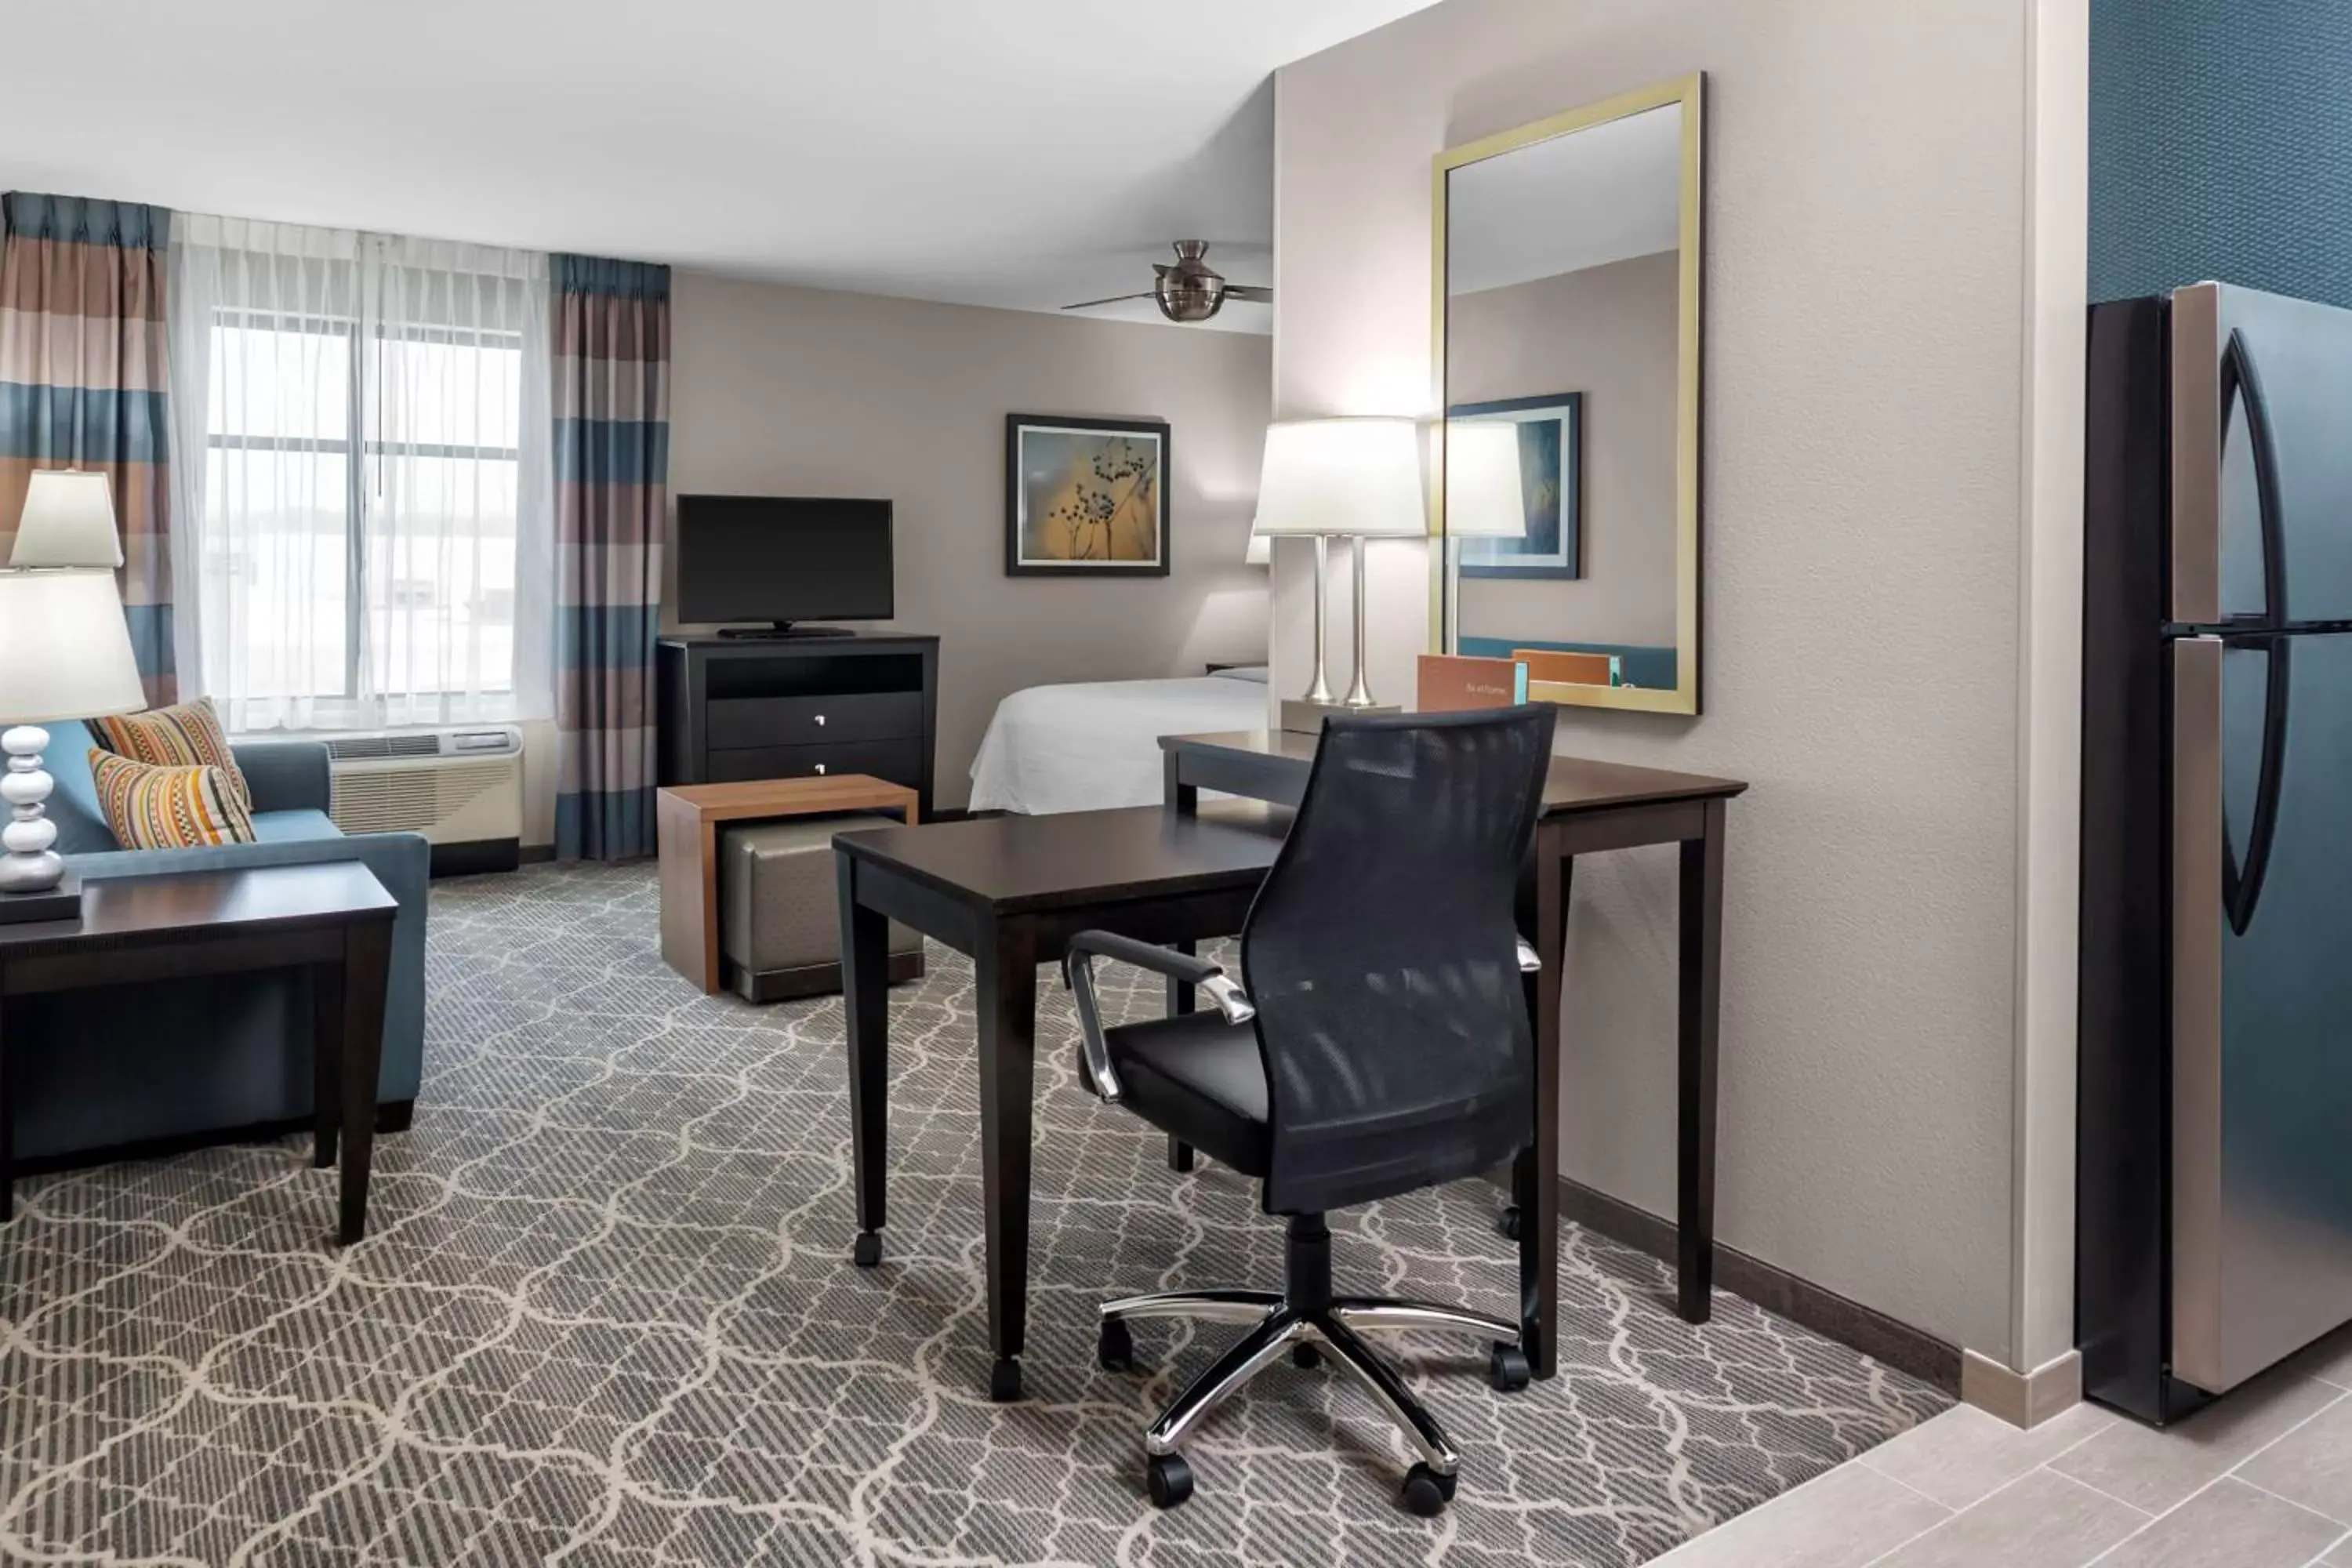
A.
pixel 1149 955
pixel 285 775
pixel 1078 974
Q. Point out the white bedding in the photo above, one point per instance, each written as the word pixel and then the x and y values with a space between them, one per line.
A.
pixel 1093 745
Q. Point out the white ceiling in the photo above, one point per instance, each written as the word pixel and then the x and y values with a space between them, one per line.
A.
pixel 1607 193
pixel 1015 152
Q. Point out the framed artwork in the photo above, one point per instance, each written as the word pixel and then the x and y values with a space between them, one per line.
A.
pixel 1551 468
pixel 1085 498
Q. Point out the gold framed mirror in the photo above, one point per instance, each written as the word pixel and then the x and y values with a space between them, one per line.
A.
pixel 1568 257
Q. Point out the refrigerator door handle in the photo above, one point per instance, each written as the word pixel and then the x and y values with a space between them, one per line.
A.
pixel 2241 386
pixel 2241 885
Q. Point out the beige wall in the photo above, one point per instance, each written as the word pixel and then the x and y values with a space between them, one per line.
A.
pixel 802 392
pixel 1609 332
pixel 1865 295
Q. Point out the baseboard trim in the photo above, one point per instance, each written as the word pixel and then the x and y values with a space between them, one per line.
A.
pixel 2023 1399
pixel 1802 1302
pixel 535 854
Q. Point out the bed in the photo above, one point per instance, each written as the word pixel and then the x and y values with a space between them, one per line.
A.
pixel 1096 744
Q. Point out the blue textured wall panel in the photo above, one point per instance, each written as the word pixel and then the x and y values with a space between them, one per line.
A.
pixel 2222 145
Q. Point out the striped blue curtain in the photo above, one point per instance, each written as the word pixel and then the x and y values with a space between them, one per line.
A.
pixel 84 384
pixel 610 345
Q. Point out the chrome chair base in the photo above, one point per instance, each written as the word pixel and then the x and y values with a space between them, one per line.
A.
pixel 1276 1326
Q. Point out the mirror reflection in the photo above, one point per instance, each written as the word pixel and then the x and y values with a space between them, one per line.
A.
pixel 1567 478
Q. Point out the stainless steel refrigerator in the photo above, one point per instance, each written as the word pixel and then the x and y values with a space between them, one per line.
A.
pixel 2214 1166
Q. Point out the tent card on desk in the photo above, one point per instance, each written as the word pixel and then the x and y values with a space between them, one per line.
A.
pixel 1451 682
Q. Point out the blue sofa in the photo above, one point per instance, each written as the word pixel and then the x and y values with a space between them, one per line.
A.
pixel 187 1060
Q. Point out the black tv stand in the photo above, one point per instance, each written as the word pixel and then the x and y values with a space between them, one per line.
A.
pixel 783 629
pixel 798 706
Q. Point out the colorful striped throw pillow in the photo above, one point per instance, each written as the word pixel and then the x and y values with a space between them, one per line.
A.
pixel 151 807
pixel 187 736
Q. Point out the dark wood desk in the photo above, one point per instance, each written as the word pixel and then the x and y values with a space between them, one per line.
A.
pixel 1587 806
pixel 1010 892
pixel 333 919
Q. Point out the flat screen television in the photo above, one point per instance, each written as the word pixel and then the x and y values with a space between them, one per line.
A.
pixel 782 559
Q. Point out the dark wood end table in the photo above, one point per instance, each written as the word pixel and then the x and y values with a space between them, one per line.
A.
pixel 332 919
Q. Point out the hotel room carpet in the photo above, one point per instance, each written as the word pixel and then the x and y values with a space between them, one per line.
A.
pixel 605 1315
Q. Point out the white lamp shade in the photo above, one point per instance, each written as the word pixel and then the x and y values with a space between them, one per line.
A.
pixel 1483 495
pixel 1358 477
pixel 65 650
pixel 68 520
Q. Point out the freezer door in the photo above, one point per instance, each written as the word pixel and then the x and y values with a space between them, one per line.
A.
pixel 2262 468
pixel 2262 1021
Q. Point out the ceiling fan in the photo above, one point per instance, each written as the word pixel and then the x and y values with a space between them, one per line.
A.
pixel 1190 291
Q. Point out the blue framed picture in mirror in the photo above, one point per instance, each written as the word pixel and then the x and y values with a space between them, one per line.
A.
pixel 1550 443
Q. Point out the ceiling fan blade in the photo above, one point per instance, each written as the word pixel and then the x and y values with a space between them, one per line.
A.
pixel 1248 291
pixel 1114 299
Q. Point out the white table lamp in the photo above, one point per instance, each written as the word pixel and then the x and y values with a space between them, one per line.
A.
pixel 1361 479
pixel 1484 497
pixel 68 520
pixel 65 653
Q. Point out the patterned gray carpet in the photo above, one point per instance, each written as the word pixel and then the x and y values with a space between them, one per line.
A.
pixel 605 1315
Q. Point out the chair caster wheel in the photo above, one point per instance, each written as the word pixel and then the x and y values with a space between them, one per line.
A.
pixel 1306 1358
pixel 868 1250
pixel 1005 1380
pixel 1167 1478
pixel 1507 1222
pixel 1426 1492
pixel 1115 1347
pixel 1506 1368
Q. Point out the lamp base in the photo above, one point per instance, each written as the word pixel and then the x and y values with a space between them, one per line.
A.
pixel 1305 718
pixel 62 902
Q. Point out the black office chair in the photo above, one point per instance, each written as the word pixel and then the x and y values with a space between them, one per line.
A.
pixel 1382 1045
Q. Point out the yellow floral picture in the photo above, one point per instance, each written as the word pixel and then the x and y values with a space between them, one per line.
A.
pixel 1084 497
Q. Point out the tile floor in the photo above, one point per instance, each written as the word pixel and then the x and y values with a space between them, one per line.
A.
pixel 2262 1478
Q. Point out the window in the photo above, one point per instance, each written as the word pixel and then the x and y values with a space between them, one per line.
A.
pixel 368 487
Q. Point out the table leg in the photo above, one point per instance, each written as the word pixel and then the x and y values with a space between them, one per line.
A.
pixel 865 1009
pixel 1175 795
pixel 7 1124
pixel 1700 990
pixel 326 1061
pixel 1180 1002
pixel 367 967
pixel 1007 967
pixel 1536 1177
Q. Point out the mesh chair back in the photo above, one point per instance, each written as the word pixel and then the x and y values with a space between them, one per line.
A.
pixel 1383 954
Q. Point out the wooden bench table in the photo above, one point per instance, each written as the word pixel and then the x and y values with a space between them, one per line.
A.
pixel 685 825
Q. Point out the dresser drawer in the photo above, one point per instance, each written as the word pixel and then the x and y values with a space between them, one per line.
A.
pixel 816 721
pixel 899 762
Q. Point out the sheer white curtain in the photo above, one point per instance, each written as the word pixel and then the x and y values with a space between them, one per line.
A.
pixel 362 441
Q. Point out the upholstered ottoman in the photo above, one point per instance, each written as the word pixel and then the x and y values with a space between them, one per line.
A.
pixel 779 910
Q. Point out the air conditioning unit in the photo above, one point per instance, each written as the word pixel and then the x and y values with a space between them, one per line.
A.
pixel 462 789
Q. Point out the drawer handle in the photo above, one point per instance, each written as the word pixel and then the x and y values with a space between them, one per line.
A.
pixel 820 767
pixel 820 719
